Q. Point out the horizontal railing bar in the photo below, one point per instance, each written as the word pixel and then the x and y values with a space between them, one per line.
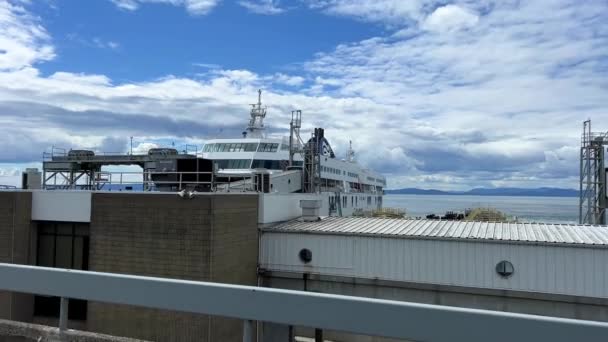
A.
pixel 418 322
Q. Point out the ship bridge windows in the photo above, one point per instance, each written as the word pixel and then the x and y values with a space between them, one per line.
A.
pixel 233 164
pixel 231 147
pixel 269 164
pixel 268 147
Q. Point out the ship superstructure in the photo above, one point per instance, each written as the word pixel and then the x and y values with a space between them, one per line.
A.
pixel 348 186
pixel 290 167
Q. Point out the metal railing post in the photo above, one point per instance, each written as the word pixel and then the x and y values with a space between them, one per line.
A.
pixel 248 331
pixel 63 314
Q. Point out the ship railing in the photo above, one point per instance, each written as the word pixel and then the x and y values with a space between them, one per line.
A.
pixel 205 181
pixel 289 308
pixel 55 152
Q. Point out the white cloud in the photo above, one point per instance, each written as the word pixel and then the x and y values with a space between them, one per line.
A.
pixel 267 7
pixel 102 44
pixel 23 41
pixel 289 80
pixel 195 7
pixel 207 65
pixel 450 18
pixel 95 42
pixel 143 148
pixel 392 12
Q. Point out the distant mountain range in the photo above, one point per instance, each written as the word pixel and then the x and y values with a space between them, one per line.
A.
pixel 547 192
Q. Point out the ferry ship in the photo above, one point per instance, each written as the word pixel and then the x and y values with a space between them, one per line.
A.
pixel 349 188
pixel 285 170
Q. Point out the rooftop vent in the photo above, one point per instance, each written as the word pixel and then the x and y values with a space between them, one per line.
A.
pixel 310 210
pixel 81 153
pixel 162 152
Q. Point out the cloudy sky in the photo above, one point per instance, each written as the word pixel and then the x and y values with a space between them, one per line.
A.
pixel 433 93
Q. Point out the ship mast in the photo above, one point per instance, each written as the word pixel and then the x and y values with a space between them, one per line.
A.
pixel 256 129
pixel 350 155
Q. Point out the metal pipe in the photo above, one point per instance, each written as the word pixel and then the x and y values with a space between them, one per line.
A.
pixel 63 314
pixel 248 335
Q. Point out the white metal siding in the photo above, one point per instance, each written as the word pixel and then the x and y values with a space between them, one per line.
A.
pixel 538 268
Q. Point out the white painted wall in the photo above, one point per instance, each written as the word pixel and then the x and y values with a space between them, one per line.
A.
pixel 68 206
pixel 284 207
pixel 543 269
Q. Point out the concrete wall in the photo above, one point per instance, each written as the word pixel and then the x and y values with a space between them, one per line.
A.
pixel 528 303
pixel 210 237
pixel 16 232
pixel 284 207
pixel 64 206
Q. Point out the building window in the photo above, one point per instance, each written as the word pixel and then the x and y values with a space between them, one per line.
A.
pixel 62 245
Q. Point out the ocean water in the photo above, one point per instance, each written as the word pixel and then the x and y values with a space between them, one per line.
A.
pixel 525 209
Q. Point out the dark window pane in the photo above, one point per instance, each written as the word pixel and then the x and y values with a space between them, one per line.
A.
pixel 81 229
pixel 46 250
pixel 49 307
pixel 77 309
pixel 64 228
pixel 78 253
pixel 46 228
pixel 63 252
pixel 46 306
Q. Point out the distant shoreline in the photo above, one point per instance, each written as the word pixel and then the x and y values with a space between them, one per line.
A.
pixel 505 192
pixel 478 195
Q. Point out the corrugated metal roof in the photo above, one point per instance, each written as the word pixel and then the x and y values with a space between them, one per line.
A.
pixel 579 235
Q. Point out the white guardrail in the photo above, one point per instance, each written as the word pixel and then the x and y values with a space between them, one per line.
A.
pixel 394 319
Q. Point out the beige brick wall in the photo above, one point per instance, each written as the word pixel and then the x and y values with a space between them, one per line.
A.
pixel 210 237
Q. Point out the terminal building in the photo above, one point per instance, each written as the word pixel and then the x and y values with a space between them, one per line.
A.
pixel 267 239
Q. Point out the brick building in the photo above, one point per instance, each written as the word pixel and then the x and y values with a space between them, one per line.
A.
pixel 210 237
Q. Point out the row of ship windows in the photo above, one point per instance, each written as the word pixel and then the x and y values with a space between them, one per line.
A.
pixel 243 147
pixel 331 170
pixel 350 174
pixel 257 164
pixel 354 201
pixel 337 172
pixel 379 180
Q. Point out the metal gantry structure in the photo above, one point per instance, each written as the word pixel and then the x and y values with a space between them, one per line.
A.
pixel 592 206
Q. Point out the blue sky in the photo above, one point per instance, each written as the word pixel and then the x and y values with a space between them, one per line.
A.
pixel 161 39
pixel 433 93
